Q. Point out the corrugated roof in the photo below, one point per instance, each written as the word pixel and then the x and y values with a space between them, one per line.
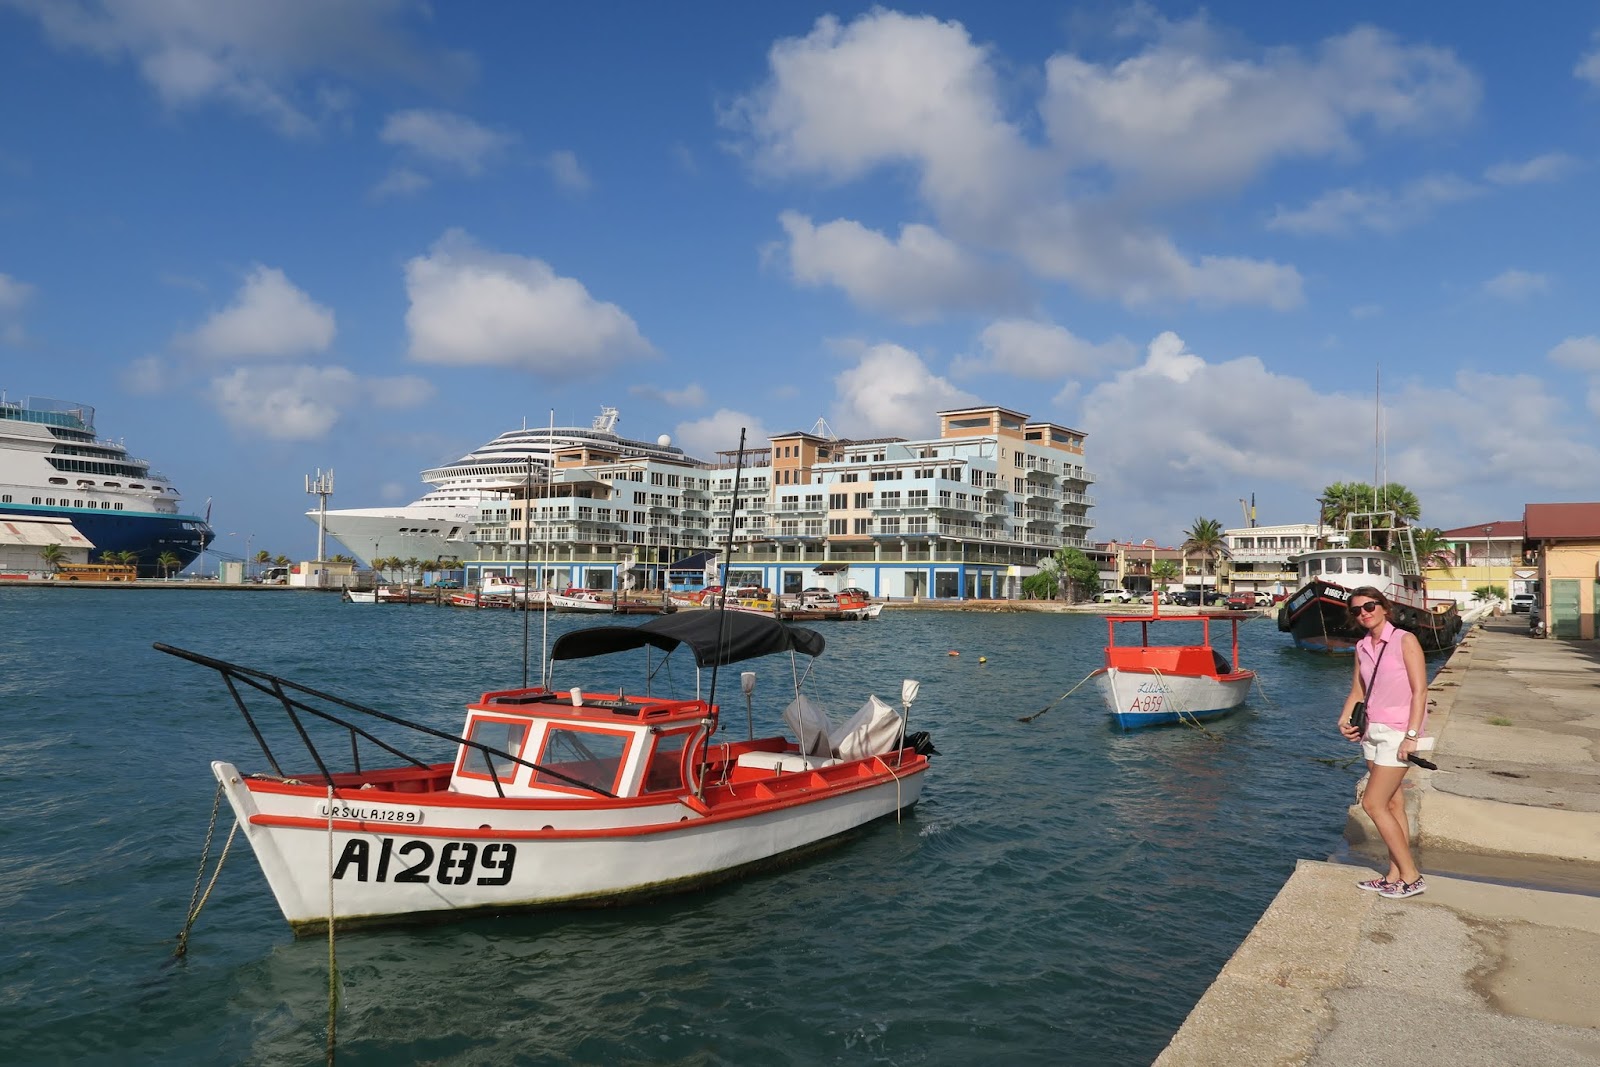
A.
pixel 41 532
pixel 1551 522
pixel 1498 528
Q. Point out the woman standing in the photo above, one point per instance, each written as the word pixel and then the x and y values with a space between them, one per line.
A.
pixel 1392 677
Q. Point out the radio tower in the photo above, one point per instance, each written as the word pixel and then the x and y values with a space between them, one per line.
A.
pixel 322 485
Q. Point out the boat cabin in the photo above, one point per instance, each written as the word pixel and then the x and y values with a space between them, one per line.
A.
pixel 1352 567
pixel 575 745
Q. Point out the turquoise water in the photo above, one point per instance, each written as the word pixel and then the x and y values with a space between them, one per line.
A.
pixel 1063 894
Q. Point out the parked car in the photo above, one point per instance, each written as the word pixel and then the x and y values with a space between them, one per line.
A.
pixel 1183 598
pixel 1522 602
pixel 1115 596
pixel 1240 601
pixel 1264 599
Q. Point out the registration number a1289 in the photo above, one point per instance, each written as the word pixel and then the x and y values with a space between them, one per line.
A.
pixel 450 863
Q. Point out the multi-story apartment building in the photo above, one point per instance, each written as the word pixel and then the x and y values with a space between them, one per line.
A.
pixel 1258 556
pixel 967 514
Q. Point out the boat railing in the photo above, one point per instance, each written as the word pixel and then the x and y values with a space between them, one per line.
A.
pixel 281 689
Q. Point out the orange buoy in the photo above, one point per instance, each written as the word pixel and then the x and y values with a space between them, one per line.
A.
pixel 953 652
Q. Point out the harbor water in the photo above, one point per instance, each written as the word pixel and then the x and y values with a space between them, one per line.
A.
pixel 1064 892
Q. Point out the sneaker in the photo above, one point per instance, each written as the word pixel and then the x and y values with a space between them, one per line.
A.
pixel 1375 885
pixel 1401 890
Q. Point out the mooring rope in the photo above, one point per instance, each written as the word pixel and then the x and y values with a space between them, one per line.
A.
pixel 1185 716
pixel 1059 699
pixel 333 963
pixel 197 900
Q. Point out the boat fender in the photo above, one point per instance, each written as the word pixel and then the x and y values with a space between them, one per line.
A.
pixel 952 652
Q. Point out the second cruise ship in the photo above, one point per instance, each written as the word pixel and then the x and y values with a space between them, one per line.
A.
pixel 437 524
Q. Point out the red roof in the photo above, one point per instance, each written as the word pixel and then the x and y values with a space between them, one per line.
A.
pixel 1499 528
pixel 1552 522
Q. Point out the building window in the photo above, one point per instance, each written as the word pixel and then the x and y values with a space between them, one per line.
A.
pixel 838 501
pixel 863 500
pixel 838 526
pixel 863 526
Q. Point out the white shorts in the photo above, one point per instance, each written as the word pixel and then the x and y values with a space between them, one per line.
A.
pixel 1381 745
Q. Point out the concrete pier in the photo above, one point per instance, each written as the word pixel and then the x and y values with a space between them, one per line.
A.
pixel 1471 973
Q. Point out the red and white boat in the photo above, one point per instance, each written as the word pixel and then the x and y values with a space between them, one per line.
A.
pixel 557 798
pixel 1153 684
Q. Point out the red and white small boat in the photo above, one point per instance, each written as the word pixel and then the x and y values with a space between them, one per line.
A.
pixel 1151 685
pixel 557 798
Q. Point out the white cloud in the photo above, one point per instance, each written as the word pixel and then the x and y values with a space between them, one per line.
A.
pixel 1189 114
pixel 567 171
pixel 285 403
pixel 14 297
pixel 147 376
pixel 279 62
pixel 1588 68
pixel 302 403
pixel 890 392
pixel 1550 167
pixel 719 432
pixel 444 137
pixel 471 306
pixel 1516 284
pixel 1043 351
pixel 1184 115
pixel 1343 210
pixel 269 319
pixel 401 181
pixel 1474 444
pixel 914 278
pixel 1579 353
pixel 690 396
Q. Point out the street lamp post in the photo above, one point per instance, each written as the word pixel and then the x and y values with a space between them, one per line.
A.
pixel 1487 575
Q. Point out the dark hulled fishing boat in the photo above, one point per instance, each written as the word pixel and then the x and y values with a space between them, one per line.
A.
pixel 1317 614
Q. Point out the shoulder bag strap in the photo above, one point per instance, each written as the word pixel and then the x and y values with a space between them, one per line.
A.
pixel 1366 687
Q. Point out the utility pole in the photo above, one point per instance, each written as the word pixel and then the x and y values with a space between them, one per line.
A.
pixel 321 485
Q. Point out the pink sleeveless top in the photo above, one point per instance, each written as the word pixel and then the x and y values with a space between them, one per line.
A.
pixel 1389 694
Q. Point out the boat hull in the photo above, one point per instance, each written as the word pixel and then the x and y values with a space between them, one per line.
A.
pixel 1317 617
pixel 395 857
pixel 1140 698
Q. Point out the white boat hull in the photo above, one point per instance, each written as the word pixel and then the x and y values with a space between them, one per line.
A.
pixel 357 596
pixel 385 867
pixel 1152 698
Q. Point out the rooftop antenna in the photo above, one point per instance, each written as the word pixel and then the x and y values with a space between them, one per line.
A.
pixel 821 429
pixel 322 485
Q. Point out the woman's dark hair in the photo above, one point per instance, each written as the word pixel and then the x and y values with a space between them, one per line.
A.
pixel 1371 594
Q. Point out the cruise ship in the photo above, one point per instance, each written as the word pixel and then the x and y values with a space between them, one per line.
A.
pixel 438 524
pixel 53 466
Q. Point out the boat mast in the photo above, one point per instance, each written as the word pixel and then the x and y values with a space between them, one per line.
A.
pixel 727 564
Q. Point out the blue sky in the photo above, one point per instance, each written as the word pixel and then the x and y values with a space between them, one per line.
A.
pixel 263 239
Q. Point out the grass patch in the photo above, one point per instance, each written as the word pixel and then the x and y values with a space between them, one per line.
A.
pixel 1499 720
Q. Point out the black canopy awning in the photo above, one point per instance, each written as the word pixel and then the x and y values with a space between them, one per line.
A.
pixel 717 637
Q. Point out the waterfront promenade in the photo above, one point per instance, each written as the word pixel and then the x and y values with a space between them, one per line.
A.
pixel 1492 966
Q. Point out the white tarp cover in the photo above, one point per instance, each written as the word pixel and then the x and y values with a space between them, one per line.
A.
pixel 41 532
pixel 872 730
pixel 809 721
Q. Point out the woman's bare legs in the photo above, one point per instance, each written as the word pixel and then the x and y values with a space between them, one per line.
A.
pixel 1384 803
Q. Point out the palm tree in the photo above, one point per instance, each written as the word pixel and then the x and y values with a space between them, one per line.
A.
pixel 54 556
pixel 1205 540
pixel 166 561
pixel 263 557
pixel 280 561
pixel 412 564
pixel 1433 551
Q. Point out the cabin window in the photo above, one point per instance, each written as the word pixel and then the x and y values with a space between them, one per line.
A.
pixel 1374 566
pixel 1352 565
pixel 503 734
pixel 665 771
pixel 1333 566
pixel 593 757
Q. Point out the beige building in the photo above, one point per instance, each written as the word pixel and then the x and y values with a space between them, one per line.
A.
pixel 1566 541
pixel 22 544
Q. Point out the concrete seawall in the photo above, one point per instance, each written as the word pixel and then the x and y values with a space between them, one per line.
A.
pixel 1470 973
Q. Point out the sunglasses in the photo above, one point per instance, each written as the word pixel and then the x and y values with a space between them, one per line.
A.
pixel 1362 609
